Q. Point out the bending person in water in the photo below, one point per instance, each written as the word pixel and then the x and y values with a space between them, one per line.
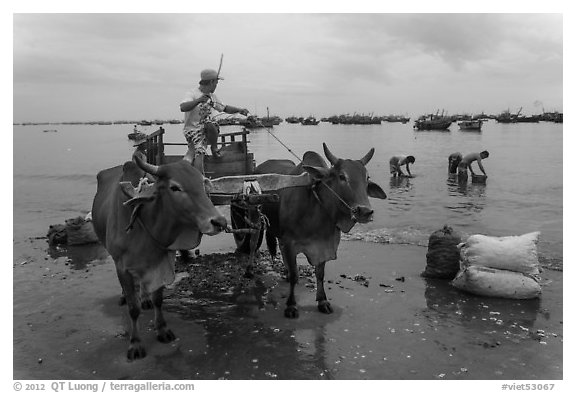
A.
pixel 467 161
pixel 397 161
pixel 453 160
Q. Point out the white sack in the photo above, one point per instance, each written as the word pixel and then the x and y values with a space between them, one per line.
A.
pixel 484 281
pixel 514 253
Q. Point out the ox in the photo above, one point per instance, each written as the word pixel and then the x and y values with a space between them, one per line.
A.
pixel 309 219
pixel 141 229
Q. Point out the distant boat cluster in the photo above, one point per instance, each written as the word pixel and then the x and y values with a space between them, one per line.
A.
pixel 507 117
pixel 437 121
pixel 104 123
pixel 466 122
pixel 365 119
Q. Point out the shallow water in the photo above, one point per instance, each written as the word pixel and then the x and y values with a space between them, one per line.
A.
pixel 55 176
pixel 65 308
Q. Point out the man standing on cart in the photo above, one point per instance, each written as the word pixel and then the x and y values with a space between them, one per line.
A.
pixel 199 128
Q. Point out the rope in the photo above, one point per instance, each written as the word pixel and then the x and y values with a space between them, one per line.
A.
pixel 282 143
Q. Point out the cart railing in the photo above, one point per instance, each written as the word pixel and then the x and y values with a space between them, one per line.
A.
pixel 236 159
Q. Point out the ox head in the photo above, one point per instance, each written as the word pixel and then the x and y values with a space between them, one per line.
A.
pixel 179 195
pixel 349 180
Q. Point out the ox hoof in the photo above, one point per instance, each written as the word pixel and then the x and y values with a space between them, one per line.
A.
pixel 248 274
pixel 136 351
pixel 166 336
pixel 291 312
pixel 325 307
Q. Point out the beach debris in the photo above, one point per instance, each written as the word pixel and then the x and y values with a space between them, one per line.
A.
pixel 401 279
pixel 363 280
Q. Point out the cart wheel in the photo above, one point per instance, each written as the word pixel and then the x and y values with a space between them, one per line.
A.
pixel 242 239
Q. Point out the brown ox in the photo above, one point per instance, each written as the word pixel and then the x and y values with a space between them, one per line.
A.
pixel 141 229
pixel 309 220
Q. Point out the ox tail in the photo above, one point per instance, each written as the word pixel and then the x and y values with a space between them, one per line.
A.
pixel 272 244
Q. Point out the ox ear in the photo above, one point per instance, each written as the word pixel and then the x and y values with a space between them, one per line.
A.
pixel 316 172
pixel 375 191
pixel 137 195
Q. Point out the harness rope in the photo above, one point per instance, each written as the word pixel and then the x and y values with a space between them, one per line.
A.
pixel 352 210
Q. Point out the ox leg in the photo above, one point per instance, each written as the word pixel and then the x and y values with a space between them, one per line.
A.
pixel 323 304
pixel 163 334
pixel 289 258
pixel 272 244
pixel 136 349
pixel 145 302
pixel 249 273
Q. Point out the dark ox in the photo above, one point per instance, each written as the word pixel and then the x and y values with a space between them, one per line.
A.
pixel 309 220
pixel 169 215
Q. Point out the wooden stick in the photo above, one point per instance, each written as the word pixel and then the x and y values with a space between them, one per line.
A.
pixel 220 66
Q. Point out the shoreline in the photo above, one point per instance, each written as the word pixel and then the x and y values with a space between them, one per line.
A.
pixel 392 325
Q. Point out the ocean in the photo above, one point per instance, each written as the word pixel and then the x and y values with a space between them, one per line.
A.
pixel 54 176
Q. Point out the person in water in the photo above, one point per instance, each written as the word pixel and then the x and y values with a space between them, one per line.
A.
pixel 453 160
pixel 397 162
pixel 467 161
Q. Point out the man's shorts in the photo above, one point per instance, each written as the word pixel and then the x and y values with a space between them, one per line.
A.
pixel 196 138
pixel 453 162
pixel 394 167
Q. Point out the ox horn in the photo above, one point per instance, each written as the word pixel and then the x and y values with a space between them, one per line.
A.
pixel 364 160
pixel 331 157
pixel 140 160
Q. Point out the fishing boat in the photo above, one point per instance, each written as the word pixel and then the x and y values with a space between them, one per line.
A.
pixel 267 121
pixel 310 121
pixel 507 117
pixel 252 122
pixel 292 120
pixel 472 125
pixel 136 136
pixel 433 122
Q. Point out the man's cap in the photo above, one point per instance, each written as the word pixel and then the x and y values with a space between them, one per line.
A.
pixel 208 75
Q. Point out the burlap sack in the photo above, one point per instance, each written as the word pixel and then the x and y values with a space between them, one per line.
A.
pixel 443 256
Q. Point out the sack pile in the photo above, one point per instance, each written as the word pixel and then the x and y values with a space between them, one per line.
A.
pixel 76 231
pixel 505 267
pixel 443 256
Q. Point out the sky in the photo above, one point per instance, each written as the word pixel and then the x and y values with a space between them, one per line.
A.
pixel 128 66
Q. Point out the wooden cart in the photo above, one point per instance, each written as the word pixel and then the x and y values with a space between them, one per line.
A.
pixel 233 182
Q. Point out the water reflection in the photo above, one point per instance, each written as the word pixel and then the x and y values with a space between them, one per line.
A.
pixel 245 333
pixel 449 305
pixel 253 343
pixel 400 182
pixel 465 188
pixel 470 197
pixel 79 256
pixel 400 196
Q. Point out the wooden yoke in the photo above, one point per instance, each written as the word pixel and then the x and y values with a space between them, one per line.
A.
pixel 223 189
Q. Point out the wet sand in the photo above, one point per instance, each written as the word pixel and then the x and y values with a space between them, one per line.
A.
pixel 389 323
